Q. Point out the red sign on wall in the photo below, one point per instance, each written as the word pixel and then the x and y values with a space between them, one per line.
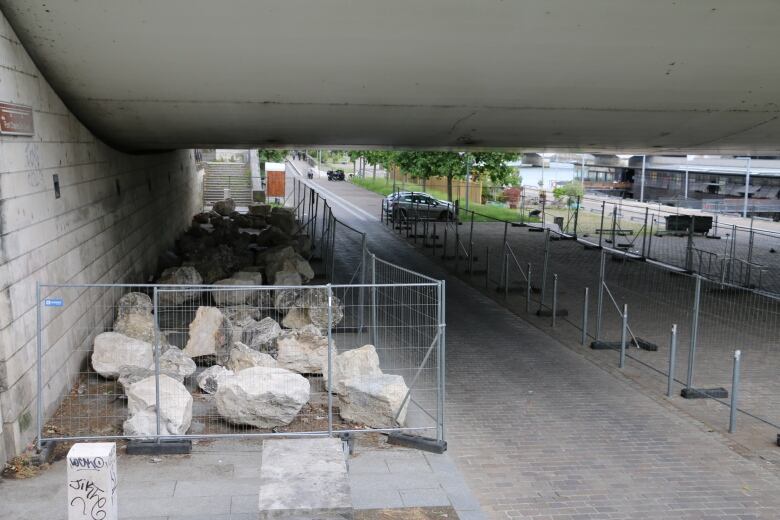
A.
pixel 16 119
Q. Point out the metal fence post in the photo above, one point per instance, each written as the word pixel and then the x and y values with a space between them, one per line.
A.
pixel 689 247
pixel 373 301
pixel 672 360
pixel 623 332
pixel 734 391
pixel 487 267
pixel 694 333
pixel 505 259
pixel 585 317
pixel 156 307
pixel 644 232
pixel 650 239
pixel 577 214
pixel 528 290
pixel 39 362
pixel 555 298
pixel 330 360
pixel 506 276
pixel 600 300
pixel 614 226
pixel 442 347
pixel 361 293
pixel 601 226
pixel 444 245
pixel 544 267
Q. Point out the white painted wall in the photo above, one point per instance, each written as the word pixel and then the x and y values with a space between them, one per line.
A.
pixel 89 234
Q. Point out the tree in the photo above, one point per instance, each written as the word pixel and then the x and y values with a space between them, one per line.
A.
pixel 270 155
pixel 493 166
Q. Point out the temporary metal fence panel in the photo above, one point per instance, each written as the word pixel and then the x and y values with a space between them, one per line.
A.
pixel 127 369
pixel 656 296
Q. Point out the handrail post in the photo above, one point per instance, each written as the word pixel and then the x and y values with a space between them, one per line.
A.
pixel 600 299
pixel 330 360
pixel 585 317
pixel 672 360
pixel 694 333
pixel 555 299
pixel 156 307
pixel 734 391
pixel 601 226
pixel 623 336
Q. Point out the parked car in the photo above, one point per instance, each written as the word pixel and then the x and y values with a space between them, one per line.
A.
pixel 336 175
pixel 407 204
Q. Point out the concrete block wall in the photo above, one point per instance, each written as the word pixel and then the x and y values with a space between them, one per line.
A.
pixel 116 213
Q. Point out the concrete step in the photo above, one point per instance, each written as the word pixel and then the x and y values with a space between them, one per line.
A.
pixel 304 478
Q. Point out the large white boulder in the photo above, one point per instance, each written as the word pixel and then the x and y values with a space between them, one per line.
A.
pixel 209 334
pixel 261 335
pixel 113 350
pixel 358 362
pixel 241 357
pixel 183 275
pixel 262 396
pixel 232 292
pixel 175 407
pixel 210 379
pixel 304 351
pixel 174 361
pixel 374 400
pixel 296 318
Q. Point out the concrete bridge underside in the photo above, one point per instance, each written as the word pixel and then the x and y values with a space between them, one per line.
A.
pixel 555 74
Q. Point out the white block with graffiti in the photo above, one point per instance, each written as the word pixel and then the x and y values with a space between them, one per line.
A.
pixel 92 481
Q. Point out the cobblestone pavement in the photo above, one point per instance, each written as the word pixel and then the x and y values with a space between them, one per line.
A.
pixel 541 432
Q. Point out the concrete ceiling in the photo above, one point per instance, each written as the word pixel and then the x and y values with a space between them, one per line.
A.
pixel 602 75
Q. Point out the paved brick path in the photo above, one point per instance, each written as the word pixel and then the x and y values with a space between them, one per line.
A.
pixel 541 432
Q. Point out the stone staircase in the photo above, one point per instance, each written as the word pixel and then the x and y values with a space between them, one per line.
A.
pixel 222 175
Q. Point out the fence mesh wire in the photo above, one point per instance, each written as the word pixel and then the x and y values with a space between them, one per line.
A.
pixel 144 361
pixel 651 267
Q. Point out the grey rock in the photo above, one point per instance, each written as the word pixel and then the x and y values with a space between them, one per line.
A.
pixel 210 379
pixel 113 350
pixel 134 303
pixel 261 335
pixel 174 361
pixel 374 400
pixel 263 397
pixel 359 362
pixel 210 334
pixel 304 351
pixel 241 357
pixel 224 207
pixel 183 275
pixel 175 407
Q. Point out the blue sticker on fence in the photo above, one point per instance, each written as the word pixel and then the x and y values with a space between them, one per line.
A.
pixel 53 302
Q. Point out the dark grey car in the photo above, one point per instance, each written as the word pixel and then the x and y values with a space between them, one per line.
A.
pixel 420 206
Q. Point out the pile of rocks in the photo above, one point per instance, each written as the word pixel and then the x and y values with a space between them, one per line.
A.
pixel 223 241
pixel 261 346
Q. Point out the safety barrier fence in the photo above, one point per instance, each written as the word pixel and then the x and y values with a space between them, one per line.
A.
pixel 157 362
pixel 681 330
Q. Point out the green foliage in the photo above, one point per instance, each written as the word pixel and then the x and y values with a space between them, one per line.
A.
pixel 271 155
pixel 483 212
pixel 493 166
pixel 571 190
